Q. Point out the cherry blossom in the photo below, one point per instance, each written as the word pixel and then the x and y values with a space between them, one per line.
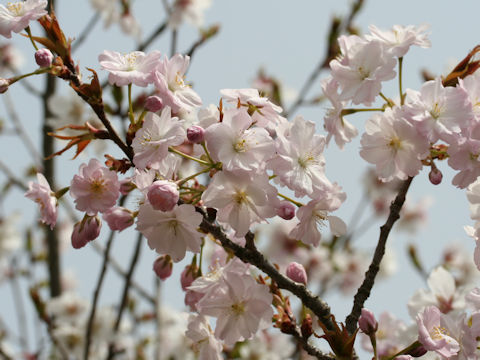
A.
pixel 118 218
pixel 400 38
pixel 85 231
pixel 169 79
pixel 432 335
pixel 133 68
pixel 188 10
pixel 393 145
pixel 361 68
pixel 241 306
pixel 237 145
pixel 151 142
pixel 95 189
pixel 17 15
pixel 205 343
pixel 241 202
pixel 171 232
pixel 44 196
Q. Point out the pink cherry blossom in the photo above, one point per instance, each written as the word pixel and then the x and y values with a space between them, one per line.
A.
pixel 151 142
pixel 393 145
pixel 43 57
pixel 171 232
pixel 433 336
pixel 299 163
pixel 237 145
pixel 172 89
pixel 17 15
pixel 439 112
pixel 313 215
pixel 241 306
pixel 204 341
pixel 335 124
pixel 400 38
pixel 133 68
pixel 188 10
pixel 44 196
pixel 367 322
pixel 362 67
pixel 241 202
pixel 163 267
pixel 118 218
pixel 95 189
pixel 264 113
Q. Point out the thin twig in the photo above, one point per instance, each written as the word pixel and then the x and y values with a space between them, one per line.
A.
pixel 96 295
pixel 11 177
pixel 254 257
pixel 86 31
pixel 20 130
pixel 363 291
pixel 152 36
pixel 126 288
pixel 19 308
pixel 173 44
pixel 310 349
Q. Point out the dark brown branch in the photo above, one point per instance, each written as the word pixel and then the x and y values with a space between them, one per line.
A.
pixel 253 256
pixel 364 290
pixel 310 349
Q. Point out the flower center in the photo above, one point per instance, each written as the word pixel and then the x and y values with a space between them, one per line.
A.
pixel 97 186
pixel 395 143
pixel 240 146
pixel 364 73
pixel 436 111
pixel 131 61
pixel 238 308
pixel 438 333
pixel 240 197
pixel 307 160
pixel 16 8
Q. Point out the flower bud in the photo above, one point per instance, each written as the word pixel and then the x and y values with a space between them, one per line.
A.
pixel 196 134
pixel 4 84
pixel 417 352
pixel 189 274
pixel 163 267
pixel 297 273
pixel 126 186
pixel 367 322
pixel 435 176
pixel 163 195
pixel 153 103
pixel 43 57
pixel 85 231
pixel 118 218
pixel 286 210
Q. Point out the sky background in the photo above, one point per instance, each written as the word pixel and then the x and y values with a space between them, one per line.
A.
pixel 287 39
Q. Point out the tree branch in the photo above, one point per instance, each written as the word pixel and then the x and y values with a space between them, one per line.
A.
pixel 364 290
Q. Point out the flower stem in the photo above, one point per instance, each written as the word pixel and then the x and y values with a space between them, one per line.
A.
pixel 299 204
pixel 402 96
pixel 387 100
pixel 353 111
pixel 29 33
pixel 36 72
pixel 130 105
pixel 183 181
pixel 175 151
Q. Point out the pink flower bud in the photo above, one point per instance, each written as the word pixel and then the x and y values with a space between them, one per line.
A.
pixel 4 84
pixel 126 186
pixel 118 218
pixel 43 57
pixel 163 195
pixel 435 176
pixel 367 322
pixel 297 273
pixel 85 231
pixel 286 210
pixel 163 267
pixel 188 275
pixel 153 103
pixel 192 298
pixel 196 134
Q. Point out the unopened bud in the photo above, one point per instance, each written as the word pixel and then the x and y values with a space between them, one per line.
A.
pixel 297 273
pixel 367 322
pixel 43 57
pixel 189 274
pixel 435 176
pixel 153 103
pixel 163 195
pixel 85 231
pixel 195 134
pixel 286 210
pixel 163 267
pixel 118 218
pixel 417 352
pixel 4 84
pixel 307 327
